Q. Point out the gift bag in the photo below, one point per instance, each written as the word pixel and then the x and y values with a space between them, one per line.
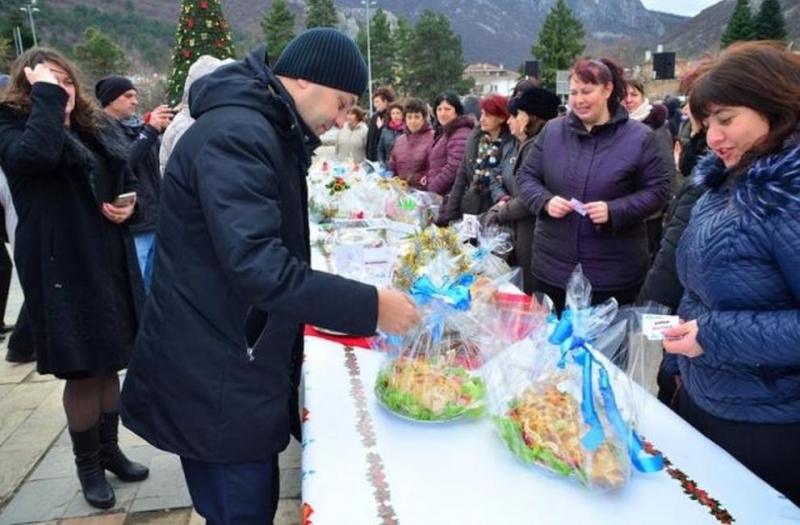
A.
pixel 561 406
pixel 430 375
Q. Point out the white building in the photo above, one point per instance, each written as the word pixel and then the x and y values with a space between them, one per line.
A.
pixel 490 78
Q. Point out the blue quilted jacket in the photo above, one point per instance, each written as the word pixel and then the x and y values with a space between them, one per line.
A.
pixel 739 262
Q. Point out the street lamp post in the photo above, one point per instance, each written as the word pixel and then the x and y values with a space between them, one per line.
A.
pixel 31 8
pixel 367 4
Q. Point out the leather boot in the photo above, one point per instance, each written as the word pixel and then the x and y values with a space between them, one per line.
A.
pixel 111 457
pixel 96 490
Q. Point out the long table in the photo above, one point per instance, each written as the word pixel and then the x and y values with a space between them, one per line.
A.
pixel 363 465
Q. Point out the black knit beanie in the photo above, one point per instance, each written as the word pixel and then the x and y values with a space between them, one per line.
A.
pixel 326 57
pixel 111 87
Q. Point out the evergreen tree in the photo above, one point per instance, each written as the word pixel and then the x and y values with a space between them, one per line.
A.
pixel 278 27
pixel 382 48
pixel 6 54
pixel 202 30
pixel 435 58
pixel 740 26
pixel 560 42
pixel 769 23
pixel 10 18
pixel 402 39
pixel 99 56
pixel 321 13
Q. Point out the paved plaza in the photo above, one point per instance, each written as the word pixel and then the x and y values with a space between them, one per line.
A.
pixel 38 483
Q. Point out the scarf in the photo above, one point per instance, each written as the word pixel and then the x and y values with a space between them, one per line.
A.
pixel 642 111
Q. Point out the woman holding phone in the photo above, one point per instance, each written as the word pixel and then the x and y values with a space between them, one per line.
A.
pixel 65 164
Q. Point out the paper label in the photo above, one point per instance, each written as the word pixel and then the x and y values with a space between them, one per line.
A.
pixel 472 226
pixel 653 325
pixel 578 206
pixel 348 259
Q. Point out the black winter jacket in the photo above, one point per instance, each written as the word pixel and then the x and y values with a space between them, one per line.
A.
pixel 233 245
pixel 78 270
pixel 143 160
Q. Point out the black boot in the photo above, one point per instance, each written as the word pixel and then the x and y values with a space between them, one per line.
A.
pixel 96 490
pixel 112 457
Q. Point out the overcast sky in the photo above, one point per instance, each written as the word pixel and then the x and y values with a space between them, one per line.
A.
pixel 679 7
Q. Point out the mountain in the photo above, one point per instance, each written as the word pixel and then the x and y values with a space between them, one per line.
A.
pixel 702 33
pixel 498 31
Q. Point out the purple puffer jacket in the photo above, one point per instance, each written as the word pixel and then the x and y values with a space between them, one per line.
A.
pixel 618 162
pixel 445 156
pixel 410 156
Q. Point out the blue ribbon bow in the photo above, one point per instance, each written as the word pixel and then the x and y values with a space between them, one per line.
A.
pixel 578 348
pixel 454 294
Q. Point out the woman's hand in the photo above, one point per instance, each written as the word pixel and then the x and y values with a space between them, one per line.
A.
pixel 41 73
pixel 559 207
pixel 597 211
pixel 117 214
pixel 682 339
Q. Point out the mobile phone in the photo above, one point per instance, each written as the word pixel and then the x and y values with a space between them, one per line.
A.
pixel 124 199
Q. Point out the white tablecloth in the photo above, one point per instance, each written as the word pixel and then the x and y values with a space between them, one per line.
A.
pixel 362 465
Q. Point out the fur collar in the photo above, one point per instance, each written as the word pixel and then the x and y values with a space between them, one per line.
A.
pixel 107 140
pixel 770 185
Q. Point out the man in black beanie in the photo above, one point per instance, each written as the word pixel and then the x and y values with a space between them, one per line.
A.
pixel 216 368
pixel 118 98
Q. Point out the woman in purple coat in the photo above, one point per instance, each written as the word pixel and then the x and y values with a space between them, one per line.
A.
pixel 447 150
pixel 592 179
pixel 410 152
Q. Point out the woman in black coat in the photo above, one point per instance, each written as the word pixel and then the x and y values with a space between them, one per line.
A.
pixel 75 257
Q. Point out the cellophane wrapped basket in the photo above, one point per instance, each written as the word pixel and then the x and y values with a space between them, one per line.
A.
pixel 558 402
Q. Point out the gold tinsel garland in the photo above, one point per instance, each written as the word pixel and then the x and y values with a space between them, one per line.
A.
pixel 425 246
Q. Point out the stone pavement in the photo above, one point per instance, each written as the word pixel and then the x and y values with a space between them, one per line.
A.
pixel 38 483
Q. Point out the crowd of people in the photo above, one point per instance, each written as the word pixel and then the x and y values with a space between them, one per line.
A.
pixel 179 249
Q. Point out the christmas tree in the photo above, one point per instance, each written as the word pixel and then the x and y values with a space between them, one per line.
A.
pixel 202 30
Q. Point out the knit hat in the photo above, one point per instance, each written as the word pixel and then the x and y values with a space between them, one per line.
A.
pixel 326 57
pixel 111 88
pixel 535 101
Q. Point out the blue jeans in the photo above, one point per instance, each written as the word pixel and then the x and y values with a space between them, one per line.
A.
pixel 145 247
pixel 234 493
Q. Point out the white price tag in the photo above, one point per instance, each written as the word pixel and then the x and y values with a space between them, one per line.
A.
pixel 472 226
pixel 348 259
pixel 653 325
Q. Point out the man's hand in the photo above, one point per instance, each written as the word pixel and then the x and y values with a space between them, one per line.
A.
pixel 397 313
pixel 160 117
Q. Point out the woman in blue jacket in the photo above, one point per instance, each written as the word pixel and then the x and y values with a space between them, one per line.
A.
pixel 739 348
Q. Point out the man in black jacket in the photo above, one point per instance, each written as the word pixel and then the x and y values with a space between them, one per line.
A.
pixel 216 368
pixel 117 96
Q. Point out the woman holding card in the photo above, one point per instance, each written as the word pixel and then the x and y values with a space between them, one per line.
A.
pixel 592 179
pixel 738 259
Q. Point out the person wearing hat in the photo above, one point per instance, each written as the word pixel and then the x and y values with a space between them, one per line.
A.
pixel 117 96
pixel 216 368
pixel 529 112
